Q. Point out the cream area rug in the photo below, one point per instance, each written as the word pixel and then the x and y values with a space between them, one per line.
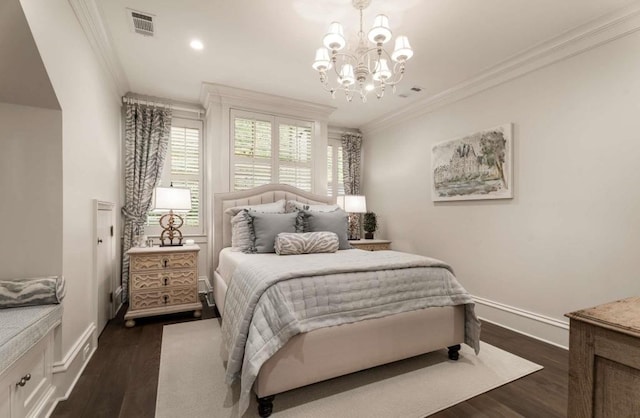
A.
pixel 191 382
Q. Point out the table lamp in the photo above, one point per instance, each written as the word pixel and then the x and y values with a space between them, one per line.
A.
pixel 171 199
pixel 354 205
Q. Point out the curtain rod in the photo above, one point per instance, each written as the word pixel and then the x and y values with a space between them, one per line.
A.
pixel 134 100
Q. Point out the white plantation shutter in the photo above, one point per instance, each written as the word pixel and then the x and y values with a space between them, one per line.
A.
pixel 267 149
pixel 183 168
pixel 295 154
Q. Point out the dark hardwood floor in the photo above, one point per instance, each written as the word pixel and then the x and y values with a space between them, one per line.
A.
pixel 122 377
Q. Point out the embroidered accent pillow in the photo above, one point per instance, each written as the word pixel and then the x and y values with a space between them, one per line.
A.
pixel 242 235
pixel 294 205
pixel 31 291
pixel 275 207
pixel 306 243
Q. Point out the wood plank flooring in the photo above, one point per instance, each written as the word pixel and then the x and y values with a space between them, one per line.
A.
pixel 121 379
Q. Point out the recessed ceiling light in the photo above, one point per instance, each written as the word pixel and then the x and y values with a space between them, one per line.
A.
pixel 196 44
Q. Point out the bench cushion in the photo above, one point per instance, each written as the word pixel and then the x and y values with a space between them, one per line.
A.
pixel 22 328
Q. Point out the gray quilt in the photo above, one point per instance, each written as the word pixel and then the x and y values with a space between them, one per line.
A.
pixel 271 299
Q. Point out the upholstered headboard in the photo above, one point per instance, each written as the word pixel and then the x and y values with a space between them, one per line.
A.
pixel 264 194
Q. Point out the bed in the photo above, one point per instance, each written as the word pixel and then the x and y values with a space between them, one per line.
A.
pixel 328 352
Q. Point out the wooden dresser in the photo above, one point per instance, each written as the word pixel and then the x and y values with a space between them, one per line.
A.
pixel 604 360
pixel 162 280
pixel 371 244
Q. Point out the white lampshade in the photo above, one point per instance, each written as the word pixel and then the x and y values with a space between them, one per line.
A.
pixel 346 75
pixel 381 72
pixel 352 203
pixel 380 32
pixel 322 61
pixel 403 51
pixel 334 39
pixel 177 199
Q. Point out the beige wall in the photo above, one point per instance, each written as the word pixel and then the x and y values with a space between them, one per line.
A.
pixel 31 191
pixel 570 237
pixel 90 149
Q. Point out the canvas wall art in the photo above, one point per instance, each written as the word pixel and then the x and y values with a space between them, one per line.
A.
pixel 473 167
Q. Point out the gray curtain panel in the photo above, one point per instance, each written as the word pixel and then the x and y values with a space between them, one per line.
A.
pixel 351 152
pixel 147 133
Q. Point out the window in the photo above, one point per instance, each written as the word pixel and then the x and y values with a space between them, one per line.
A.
pixel 183 168
pixel 269 149
pixel 335 178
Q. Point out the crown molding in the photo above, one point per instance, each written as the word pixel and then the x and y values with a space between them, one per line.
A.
pixel 583 38
pixel 90 17
pixel 252 100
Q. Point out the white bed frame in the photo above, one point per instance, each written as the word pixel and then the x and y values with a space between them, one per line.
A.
pixel 335 351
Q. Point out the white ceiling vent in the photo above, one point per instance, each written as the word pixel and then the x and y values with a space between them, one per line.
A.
pixel 141 22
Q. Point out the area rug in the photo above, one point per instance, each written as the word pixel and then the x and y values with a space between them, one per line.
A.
pixel 191 382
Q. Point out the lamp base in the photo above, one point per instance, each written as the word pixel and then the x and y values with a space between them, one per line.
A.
pixel 171 235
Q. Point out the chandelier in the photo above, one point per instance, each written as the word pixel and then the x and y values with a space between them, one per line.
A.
pixel 367 68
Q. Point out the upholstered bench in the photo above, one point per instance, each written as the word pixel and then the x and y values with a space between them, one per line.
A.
pixel 26 359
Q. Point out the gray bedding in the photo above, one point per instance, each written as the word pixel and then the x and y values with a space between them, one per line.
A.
pixel 271 300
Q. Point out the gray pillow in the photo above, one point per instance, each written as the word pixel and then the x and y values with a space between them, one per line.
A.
pixel 336 222
pixel 31 291
pixel 267 226
pixel 242 238
pixel 306 243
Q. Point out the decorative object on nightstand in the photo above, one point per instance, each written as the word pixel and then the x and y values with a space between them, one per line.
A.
pixel 604 360
pixel 371 244
pixel 163 280
pixel 370 225
pixel 171 199
pixel 354 205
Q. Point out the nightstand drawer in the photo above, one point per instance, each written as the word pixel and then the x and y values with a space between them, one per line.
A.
pixel 146 299
pixel 163 279
pixel 163 261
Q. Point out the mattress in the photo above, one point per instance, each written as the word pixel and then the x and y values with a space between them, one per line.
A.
pixel 22 328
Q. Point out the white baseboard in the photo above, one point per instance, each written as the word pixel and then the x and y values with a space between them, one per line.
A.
pixel 541 327
pixel 204 287
pixel 67 371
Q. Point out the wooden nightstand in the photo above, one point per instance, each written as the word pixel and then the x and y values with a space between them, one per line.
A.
pixel 371 244
pixel 162 280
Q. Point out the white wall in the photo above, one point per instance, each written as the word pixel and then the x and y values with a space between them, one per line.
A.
pixel 90 149
pixel 569 239
pixel 31 185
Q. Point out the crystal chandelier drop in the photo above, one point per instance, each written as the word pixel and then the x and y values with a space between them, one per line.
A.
pixel 367 68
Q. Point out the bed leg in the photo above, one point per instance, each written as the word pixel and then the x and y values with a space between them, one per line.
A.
pixel 265 406
pixel 454 352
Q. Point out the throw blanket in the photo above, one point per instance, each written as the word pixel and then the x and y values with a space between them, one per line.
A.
pixel 269 301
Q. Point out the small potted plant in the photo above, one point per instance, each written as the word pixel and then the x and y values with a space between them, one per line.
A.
pixel 370 225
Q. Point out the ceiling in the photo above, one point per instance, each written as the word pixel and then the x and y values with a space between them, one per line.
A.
pixel 268 45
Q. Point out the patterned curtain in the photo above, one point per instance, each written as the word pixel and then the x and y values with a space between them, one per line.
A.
pixel 351 151
pixel 147 133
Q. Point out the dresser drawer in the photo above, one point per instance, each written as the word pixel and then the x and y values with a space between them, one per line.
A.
pixel 162 279
pixel 145 299
pixel 163 261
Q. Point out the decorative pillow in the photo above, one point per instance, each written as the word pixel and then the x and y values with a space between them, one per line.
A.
pixel 31 291
pixel 294 205
pixel 336 222
pixel 275 207
pixel 242 236
pixel 306 243
pixel 267 225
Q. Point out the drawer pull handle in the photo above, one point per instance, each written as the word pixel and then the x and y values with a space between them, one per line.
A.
pixel 166 281
pixel 166 299
pixel 165 262
pixel 24 380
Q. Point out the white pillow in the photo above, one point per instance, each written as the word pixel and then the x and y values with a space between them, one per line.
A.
pixel 275 207
pixel 294 205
